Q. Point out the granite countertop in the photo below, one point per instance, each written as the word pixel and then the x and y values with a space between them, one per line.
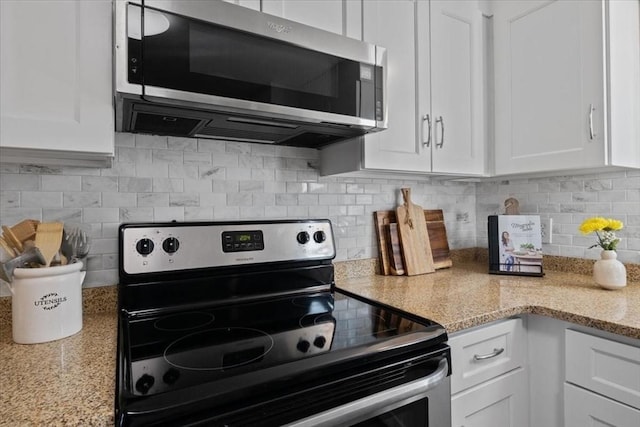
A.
pixel 72 381
pixel 466 296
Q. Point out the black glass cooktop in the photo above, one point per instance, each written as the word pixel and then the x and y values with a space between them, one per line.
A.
pixel 179 350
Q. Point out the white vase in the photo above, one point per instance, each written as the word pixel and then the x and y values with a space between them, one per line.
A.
pixel 608 272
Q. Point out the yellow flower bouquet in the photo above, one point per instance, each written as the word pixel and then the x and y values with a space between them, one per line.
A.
pixel 605 229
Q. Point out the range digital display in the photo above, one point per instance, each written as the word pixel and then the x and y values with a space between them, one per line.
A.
pixel 241 241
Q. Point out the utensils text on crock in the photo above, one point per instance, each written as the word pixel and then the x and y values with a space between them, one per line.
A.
pixel 32 254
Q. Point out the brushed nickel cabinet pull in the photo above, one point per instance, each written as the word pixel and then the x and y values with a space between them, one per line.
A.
pixel 592 134
pixel 441 121
pixel 496 352
pixel 426 118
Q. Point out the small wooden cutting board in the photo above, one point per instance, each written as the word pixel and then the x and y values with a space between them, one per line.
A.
pixel 438 238
pixel 414 237
pixel 396 264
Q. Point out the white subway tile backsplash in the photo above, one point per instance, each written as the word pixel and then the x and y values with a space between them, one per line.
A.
pixel 62 183
pixel 41 199
pixel 165 178
pixel 10 199
pixel 20 182
pixel 142 214
pixel 65 215
pixel 80 199
pixel 182 144
pixel 152 170
pixel 167 214
pixel 166 185
pixel 135 185
pixel 100 183
pixel 92 215
pixel 152 199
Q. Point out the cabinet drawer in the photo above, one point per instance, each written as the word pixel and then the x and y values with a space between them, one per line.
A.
pixel 500 402
pixel 584 408
pixel 485 353
pixel 604 366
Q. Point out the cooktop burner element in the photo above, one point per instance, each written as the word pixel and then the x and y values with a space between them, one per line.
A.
pixel 211 336
pixel 218 349
pixel 183 321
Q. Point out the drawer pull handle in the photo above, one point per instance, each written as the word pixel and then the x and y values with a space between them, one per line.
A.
pixel 496 352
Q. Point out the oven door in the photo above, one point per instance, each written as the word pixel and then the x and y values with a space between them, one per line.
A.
pixel 423 402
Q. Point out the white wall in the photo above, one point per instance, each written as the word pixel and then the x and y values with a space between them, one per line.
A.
pixel 161 179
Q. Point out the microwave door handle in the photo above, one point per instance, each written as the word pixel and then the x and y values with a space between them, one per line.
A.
pixel 377 403
pixel 358 97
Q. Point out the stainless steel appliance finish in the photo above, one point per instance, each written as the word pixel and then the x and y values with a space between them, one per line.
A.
pixel 253 331
pixel 307 87
pixel 173 248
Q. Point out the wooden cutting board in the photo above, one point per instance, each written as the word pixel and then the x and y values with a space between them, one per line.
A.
pixel 414 237
pixel 437 237
pixel 396 264
pixel 381 220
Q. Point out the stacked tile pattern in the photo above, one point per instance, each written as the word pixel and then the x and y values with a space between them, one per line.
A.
pixel 569 200
pixel 156 178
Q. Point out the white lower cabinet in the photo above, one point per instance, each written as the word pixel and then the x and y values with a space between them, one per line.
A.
pixel 602 381
pixel 500 402
pixel 489 383
pixel 584 408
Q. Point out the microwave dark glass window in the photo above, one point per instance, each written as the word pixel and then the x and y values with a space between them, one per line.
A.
pixel 206 58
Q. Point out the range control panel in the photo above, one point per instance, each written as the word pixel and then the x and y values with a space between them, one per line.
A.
pixel 163 247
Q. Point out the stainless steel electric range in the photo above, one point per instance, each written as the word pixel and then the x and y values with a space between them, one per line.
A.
pixel 240 324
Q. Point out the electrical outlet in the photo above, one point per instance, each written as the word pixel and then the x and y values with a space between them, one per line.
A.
pixel 546 226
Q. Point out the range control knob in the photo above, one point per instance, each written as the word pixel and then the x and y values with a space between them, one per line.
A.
pixel 320 341
pixel 302 237
pixel 303 346
pixel 171 376
pixel 170 245
pixel 144 246
pixel 144 383
pixel 319 236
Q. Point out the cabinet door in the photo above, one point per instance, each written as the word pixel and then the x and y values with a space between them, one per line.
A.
pixel 56 76
pixel 337 16
pixel 501 402
pixel 457 87
pixel 549 105
pixel 583 408
pixel 392 24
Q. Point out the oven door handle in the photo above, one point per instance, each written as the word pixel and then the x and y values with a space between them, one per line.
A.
pixel 378 403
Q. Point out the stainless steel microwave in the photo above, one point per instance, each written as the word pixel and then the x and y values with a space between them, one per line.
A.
pixel 211 69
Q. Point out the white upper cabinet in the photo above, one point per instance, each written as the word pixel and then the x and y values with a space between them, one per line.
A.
pixel 457 87
pixel 434 91
pixel 338 16
pixel 552 109
pixel 394 26
pixel 55 82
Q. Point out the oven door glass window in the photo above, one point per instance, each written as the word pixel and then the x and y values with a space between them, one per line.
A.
pixel 205 58
pixel 413 414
